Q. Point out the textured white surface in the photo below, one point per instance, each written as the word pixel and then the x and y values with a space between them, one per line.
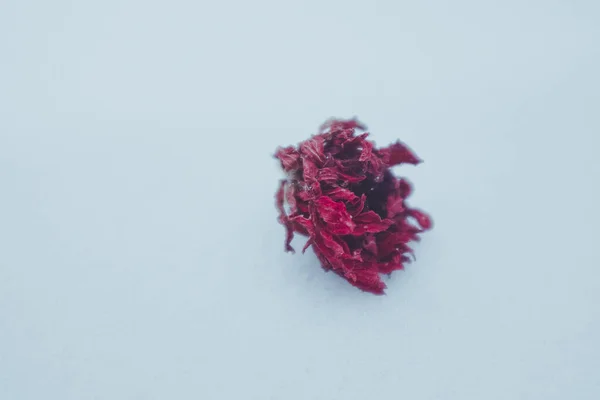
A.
pixel 139 253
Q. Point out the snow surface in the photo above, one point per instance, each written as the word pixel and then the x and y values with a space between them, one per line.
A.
pixel 140 257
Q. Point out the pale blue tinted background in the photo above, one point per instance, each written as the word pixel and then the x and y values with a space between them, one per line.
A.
pixel 139 253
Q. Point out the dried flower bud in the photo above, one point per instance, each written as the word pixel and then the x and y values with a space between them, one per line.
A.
pixel 342 195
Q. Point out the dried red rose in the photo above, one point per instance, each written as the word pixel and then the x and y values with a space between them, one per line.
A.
pixel 340 192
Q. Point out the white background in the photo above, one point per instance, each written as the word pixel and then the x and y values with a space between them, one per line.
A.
pixel 140 257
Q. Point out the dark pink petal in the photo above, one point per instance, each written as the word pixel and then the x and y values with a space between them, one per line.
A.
pixel 306 245
pixel 370 222
pixel 328 174
pixel 356 205
pixel 310 171
pixel 331 248
pixel 367 151
pixel 338 174
pixel 370 244
pixel 398 153
pixel 280 198
pixel 422 218
pixel 341 194
pixel 395 205
pixel 333 125
pixel 303 222
pixel 353 142
pixel 388 268
pixel 289 158
pixel 313 149
pixel 367 280
pixel 404 188
pixel 335 215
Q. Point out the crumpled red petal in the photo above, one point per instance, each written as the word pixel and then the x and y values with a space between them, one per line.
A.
pixel 341 194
